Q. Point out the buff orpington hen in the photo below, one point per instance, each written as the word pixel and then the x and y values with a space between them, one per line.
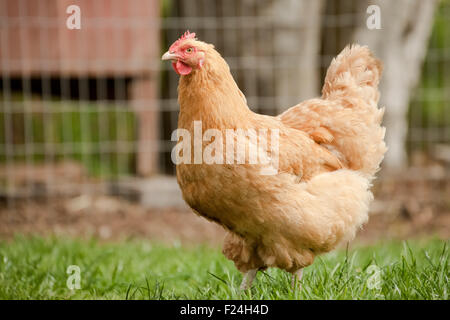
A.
pixel 327 151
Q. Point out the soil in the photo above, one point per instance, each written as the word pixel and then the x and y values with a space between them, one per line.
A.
pixel 411 205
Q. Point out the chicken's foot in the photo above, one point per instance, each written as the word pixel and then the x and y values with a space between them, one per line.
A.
pixel 248 279
pixel 297 278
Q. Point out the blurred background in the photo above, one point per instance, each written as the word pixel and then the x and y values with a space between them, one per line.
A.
pixel 86 114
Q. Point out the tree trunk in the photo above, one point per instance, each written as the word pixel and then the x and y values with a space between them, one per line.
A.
pixel 296 49
pixel 401 44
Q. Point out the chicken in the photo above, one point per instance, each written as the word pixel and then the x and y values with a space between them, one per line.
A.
pixel 327 149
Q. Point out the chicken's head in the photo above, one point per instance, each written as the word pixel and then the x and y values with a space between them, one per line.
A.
pixel 186 54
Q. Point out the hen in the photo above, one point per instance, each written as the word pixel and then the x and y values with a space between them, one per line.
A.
pixel 327 153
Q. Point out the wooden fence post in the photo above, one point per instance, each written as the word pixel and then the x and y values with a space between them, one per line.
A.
pixel 144 100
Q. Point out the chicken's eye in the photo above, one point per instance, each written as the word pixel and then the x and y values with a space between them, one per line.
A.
pixel 189 50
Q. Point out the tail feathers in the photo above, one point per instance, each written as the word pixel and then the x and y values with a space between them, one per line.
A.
pixel 352 81
pixel 354 70
pixel 346 119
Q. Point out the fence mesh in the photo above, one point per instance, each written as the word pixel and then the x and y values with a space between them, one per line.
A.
pixel 82 108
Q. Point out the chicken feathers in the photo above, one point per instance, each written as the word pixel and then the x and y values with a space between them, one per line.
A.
pixel 329 150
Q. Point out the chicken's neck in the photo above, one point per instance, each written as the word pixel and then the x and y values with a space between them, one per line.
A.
pixel 211 95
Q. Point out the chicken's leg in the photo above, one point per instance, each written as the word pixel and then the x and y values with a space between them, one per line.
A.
pixel 248 279
pixel 297 278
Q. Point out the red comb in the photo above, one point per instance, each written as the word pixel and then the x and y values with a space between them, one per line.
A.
pixel 185 36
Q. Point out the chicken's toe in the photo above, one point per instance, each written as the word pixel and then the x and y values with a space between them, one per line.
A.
pixel 297 278
pixel 248 279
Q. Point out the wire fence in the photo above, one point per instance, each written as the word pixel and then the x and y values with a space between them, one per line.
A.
pixel 82 108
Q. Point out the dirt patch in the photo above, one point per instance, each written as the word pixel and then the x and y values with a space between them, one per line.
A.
pixel 106 218
pixel 404 207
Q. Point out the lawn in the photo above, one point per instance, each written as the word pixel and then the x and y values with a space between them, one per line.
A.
pixel 36 268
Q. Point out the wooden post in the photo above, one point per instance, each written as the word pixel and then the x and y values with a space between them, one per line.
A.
pixel 144 100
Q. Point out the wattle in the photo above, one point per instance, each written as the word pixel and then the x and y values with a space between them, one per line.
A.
pixel 181 68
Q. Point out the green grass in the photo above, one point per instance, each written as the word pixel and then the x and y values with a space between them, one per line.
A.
pixel 35 268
